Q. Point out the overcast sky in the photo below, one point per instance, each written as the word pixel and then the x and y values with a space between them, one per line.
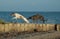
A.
pixel 29 5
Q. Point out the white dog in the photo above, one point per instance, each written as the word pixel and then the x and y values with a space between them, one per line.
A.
pixel 19 16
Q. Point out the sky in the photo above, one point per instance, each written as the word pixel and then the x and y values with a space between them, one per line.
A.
pixel 29 5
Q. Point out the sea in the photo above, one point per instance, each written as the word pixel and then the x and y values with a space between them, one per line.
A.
pixel 52 17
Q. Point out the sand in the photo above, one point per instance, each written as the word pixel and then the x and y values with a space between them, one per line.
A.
pixel 35 35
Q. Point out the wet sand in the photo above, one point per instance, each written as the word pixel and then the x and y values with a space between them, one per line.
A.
pixel 33 35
